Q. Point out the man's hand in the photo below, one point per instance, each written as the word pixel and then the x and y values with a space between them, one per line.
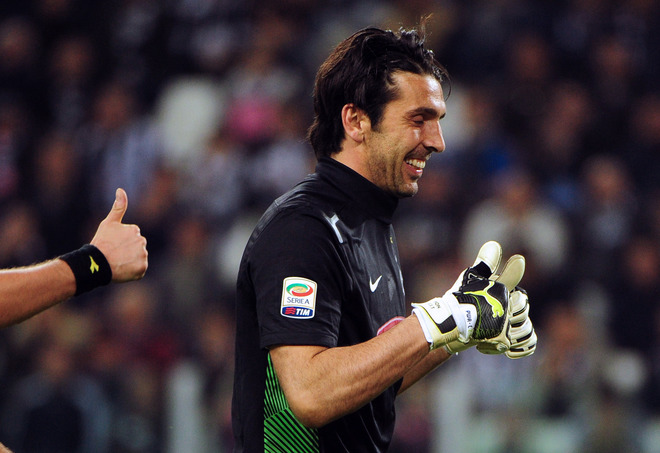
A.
pixel 521 332
pixel 488 301
pixel 123 245
pixel 474 308
pixel 517 338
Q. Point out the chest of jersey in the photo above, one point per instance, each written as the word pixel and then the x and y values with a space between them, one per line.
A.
pixel 374 284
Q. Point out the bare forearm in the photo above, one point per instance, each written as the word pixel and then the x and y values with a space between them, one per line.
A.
pixel 337 381
pixel 26 291
pixel 429 363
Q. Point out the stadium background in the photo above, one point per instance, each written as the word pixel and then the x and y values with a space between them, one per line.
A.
pixel 198 108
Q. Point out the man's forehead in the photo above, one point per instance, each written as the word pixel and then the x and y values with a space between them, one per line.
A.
pixel 419 91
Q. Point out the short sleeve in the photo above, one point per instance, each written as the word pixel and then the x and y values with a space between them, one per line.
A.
pixel 297 274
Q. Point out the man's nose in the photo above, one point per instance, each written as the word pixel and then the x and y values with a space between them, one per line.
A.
pixel 434 139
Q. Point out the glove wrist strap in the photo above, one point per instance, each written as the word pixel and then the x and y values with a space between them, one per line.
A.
pixel 436 334
pixel 421 315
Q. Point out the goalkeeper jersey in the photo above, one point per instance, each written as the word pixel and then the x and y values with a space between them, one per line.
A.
pixel 321 268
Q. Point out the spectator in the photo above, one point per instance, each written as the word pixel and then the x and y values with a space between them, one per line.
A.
pixel 606 216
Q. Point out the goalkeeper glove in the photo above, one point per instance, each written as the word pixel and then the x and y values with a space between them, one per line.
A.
pixel 518 339
pixel 475 308
pixel 520 332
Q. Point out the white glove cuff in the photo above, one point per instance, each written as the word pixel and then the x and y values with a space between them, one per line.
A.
pixel 424 318
pixel 459 314
pixel 434 313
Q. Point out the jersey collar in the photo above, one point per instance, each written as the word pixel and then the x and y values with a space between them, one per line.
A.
pixel 363 192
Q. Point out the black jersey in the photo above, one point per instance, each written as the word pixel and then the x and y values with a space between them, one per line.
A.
pixel 321 268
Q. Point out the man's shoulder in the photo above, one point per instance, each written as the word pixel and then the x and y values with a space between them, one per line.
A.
pixel 312 197
pixel 302 209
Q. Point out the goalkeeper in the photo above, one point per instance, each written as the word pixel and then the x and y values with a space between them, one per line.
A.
pixel 322 345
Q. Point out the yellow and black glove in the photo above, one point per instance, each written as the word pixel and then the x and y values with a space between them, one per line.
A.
pixel 517 338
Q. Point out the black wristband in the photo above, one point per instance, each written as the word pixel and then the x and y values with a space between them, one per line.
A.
pixel 89 266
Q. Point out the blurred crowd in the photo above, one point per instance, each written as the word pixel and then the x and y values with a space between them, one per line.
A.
pixel 199 109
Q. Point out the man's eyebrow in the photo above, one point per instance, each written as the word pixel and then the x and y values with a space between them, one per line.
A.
pixel 428 111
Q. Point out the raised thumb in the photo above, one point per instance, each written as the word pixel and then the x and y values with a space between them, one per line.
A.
pixel 487 262
pixel 119 206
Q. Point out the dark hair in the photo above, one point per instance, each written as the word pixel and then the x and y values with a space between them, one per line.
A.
pixel 360 71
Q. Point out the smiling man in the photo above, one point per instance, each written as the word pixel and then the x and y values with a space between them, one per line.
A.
pixel 323 344
pixel 392 153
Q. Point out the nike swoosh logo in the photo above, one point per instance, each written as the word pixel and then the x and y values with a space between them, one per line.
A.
pixel 374 285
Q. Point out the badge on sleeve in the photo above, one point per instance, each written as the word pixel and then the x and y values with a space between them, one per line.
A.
pixel 298 298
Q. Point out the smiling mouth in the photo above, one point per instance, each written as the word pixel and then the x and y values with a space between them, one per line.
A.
pixel 417 163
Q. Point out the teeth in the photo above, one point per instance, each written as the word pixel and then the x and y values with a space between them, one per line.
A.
pixel 417 163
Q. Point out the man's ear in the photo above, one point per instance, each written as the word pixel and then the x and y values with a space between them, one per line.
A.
pixel 355 122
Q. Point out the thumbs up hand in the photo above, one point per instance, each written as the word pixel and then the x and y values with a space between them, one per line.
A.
pixel 123 245
pixel 517 338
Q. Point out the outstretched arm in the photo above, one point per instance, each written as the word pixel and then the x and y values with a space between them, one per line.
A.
pixel 429 363
pixel 322 384
pixel 26 291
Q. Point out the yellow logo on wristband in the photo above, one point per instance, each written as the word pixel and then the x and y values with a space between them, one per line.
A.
pixel 93 267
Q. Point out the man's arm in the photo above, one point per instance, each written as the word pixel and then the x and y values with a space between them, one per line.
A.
pixel 322 384
pixel 429 363
pixel 26 291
